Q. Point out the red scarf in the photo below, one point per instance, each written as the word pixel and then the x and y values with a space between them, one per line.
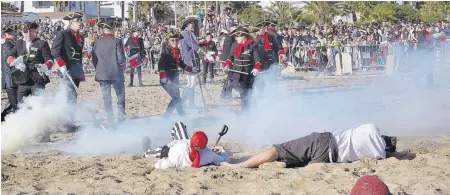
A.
pixel 271 29
pixel 8 39
pixel 107 35
pixel 136 40
pixel 176 55
pixel 267 45
pixel 206 44
pixel 239 48
pixel 78 37
pixel 198 139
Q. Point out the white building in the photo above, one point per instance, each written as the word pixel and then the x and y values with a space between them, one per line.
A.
pixel 107 9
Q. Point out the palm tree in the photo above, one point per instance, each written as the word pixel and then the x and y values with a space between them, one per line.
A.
pixel 59 5
pixel 283 12
pixel 324 10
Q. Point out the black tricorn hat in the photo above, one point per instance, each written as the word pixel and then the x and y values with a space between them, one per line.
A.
pixel 253 29
pixel 9 28
pixel 108 23
pixel 28 25
pixel 240 31
pixel 272 22
pixel 262 23
pixel 73 15
pixel 187 21
pixel 174 34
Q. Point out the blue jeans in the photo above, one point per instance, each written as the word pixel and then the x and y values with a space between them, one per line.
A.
pixel 119 87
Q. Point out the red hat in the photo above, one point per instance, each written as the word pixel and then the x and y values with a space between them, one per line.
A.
pixel 199 139
pixel 370 185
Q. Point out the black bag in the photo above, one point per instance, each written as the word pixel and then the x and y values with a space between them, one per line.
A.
pixel 164 152
pixel 391 143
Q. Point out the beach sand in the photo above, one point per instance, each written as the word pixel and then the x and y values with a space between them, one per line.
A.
pixel 422 165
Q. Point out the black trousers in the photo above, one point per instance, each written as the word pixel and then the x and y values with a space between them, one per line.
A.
pixel 119 87
pixel 12 97
pixel 208 67
pixel 27 89
pixel 172 88
pixel 242 84
pixel 139 72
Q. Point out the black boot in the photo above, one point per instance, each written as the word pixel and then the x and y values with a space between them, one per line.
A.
pixel 131 79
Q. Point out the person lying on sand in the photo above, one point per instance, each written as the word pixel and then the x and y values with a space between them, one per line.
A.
pixel 349 145
pixel 179 133
pixel 185 151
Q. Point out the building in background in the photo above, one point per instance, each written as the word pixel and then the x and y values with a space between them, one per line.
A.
pixel 48 9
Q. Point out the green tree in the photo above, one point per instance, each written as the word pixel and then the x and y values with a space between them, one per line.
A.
pixel 252 14
pixel 384 12
pixel 325 11
pixel 407 12
pixel 435 10
pixel 282 12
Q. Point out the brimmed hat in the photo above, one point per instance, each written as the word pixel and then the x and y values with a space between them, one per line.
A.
pixel 253 29
pixel 9 28
pixel 73 15
pixel 187 21
pixel 173 34
pixel 28 25
pixel 108 23
pixel 262 23
pixel 240 31
pixel 272 22
pixel 135 30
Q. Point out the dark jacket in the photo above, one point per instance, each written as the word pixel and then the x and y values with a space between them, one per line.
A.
pixel 66 50
pixel 226 48
pixel 276 41
pixel 39 54
pixel 167 61
pixel 108 56
pixel 249 57
pixel 7 81
pixel 135 48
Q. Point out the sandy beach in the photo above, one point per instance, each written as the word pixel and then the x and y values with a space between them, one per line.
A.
pixel 421 165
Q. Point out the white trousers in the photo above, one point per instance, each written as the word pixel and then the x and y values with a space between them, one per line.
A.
pixel 190 80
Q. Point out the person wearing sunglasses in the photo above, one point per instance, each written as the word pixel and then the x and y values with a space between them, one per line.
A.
pixel 67 50
pixel 31 58
pixel 168 67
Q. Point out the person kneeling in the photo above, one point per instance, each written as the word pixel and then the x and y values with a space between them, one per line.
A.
pixel 350 145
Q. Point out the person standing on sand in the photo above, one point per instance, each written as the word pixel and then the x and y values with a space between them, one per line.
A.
pixel 350 145
pixel 168 67
pixel 109 61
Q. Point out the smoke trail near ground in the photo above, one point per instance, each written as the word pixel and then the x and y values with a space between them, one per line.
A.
pixel 398 104
pixel 36 115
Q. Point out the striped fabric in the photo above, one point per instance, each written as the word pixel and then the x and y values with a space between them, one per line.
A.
pixel 179 132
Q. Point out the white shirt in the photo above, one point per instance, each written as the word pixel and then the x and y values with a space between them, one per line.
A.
pixel 364 141
pixel 28 46
pixel 178 156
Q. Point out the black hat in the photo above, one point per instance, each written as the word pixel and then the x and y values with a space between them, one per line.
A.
pixel 262 23
pixel 28 25
pixel 187 21
pixel 253 29
pixel 272 22
pixel 9 28
pixel 240 31
pixel 73 15
pixel 108 23
pixel 174 34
